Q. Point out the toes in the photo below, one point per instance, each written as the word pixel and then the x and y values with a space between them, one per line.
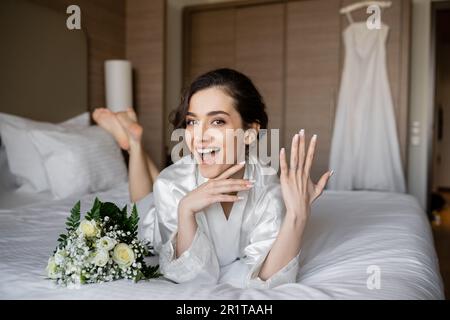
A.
pixel 96 115
pixel 99 112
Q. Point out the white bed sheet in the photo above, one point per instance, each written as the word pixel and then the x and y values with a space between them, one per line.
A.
pixel 15 198
pixel 347 233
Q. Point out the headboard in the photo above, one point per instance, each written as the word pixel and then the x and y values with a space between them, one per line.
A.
pixel 43 65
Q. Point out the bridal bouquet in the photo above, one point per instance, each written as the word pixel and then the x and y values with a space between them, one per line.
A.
pixel 102 247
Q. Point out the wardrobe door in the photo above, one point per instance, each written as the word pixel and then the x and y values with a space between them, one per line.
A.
pixel 312 73
pixel 210 42
pixel 259 54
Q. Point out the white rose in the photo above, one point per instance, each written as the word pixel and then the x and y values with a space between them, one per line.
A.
pixel 52 268
pixel 101 258
pixel 60 256
pixel 88 228
pixel 106 243
pixel 123 255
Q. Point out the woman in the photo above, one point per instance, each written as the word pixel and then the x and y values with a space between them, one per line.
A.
pixel 217 222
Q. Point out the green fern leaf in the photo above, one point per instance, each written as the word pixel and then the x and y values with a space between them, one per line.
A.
pixel 133 220
pixel 73 221
pixel 94 214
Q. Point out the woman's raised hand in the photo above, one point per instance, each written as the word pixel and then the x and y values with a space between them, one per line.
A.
pixel 298 190
pixel 215 190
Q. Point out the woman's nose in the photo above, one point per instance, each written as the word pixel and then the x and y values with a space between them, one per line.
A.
pixel 201 133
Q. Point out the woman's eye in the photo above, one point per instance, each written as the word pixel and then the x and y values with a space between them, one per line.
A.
pixel 218 122
pixel 191 122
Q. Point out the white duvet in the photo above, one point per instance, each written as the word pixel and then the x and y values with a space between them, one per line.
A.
pixel 358 245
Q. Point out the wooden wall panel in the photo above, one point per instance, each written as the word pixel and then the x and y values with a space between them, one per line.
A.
pixel 44 65
pixel 312 73
pixel 260 54
pixel 212 42
pixel 145 50
pixel 104 23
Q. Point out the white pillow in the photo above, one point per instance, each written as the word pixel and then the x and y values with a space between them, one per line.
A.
pixel 80 162
pixel 82 120
pixel 7 179
pixel 23 159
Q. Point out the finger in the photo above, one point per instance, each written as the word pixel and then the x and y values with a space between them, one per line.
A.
pixel 283 164
pixel 320 186
pixel 231 188
pixel 230 171
pixel 230 182
pixel 294 153
pixel 225 198
pixel 310 155
pixel 301 150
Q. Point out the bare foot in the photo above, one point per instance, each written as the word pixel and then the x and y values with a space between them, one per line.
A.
pixel 132 114
pixel 128 120
pixel 108 120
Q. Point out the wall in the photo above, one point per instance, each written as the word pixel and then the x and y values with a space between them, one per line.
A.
pixel 420 91
pixel 126 29
pixel 145 49
pixel 173 63
pixel 104 23
pixel 250 38
pixel 40 80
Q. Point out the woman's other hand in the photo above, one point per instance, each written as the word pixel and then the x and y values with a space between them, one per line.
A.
pixel 298 190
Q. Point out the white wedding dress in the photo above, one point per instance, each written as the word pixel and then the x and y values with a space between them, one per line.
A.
pixel 365 150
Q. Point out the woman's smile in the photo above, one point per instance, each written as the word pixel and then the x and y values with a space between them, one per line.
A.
pixel 209 155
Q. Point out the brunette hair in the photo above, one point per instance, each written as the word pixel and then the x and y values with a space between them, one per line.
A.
pixel 247 100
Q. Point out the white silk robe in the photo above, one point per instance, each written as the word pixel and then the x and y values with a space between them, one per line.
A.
pixel 230 251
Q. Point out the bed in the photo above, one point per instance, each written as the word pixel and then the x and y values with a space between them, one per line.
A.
pixel 357 245
pixel 349 235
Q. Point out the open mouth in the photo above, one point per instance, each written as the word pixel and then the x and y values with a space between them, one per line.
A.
pixel 208 155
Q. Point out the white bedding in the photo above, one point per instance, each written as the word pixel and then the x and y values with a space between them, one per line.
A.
pixel 14 198
pixel 347 233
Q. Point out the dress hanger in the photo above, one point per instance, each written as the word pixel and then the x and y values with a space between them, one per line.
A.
pixel 363 4
pixel 349 17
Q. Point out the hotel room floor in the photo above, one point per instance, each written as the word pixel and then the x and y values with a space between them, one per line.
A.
pixel 441 235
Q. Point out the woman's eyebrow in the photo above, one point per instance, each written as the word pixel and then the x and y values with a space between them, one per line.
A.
pixel 211 113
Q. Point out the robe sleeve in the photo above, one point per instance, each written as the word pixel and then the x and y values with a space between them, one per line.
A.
pixel 157 214
pixel 261 239
pixel 146 210
pixel 199 263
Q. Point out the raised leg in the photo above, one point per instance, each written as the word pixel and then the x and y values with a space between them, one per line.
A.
pixel 142 171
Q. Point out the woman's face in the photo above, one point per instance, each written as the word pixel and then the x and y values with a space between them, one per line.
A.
pixel 210 120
